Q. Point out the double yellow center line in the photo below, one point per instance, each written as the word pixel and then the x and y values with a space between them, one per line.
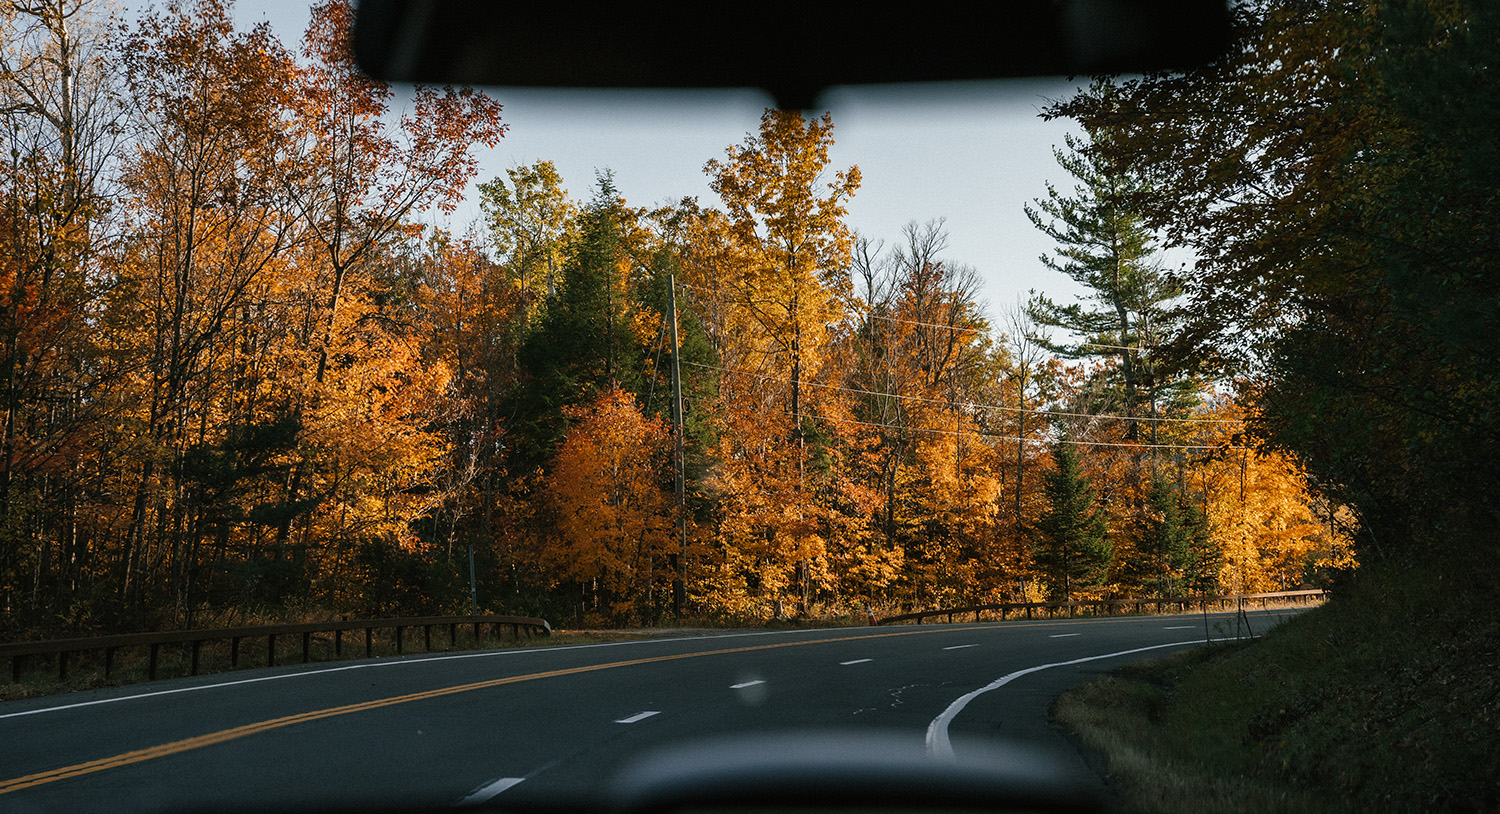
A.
pixel 225 735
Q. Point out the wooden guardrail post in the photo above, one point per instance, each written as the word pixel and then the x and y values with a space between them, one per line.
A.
pixel 191 642
pixel 1099 607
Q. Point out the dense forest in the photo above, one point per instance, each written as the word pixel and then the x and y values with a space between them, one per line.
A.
pixel 241 379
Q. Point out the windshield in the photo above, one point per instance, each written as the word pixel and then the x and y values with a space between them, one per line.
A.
pixel 448 445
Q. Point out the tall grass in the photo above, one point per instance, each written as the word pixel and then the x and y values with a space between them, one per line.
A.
pixel 1385 699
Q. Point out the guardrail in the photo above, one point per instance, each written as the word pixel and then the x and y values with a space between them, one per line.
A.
pixel 63 648
pixel 1111 605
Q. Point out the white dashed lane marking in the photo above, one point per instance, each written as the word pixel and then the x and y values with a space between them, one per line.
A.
pixel 639 716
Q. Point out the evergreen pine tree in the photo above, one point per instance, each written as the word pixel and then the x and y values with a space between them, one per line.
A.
pixel 1163 540
pixel 583 344
pixel 1070 542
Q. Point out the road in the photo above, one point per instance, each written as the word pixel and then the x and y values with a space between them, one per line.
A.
pixel 547 723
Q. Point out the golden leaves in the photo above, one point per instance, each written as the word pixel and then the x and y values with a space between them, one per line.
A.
pixel 613 520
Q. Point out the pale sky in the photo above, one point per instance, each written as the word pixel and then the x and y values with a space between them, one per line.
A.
pixel 972 156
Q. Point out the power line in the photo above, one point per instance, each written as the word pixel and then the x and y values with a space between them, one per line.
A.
pixel 1001 437
pixel 1056 413
pixel 959 328
pixel 970 404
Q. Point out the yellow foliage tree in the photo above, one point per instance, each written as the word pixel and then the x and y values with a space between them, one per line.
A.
pixel 783 250
pixel 1262 515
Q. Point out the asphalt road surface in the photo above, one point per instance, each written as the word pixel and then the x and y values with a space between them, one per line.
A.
pixel 547 723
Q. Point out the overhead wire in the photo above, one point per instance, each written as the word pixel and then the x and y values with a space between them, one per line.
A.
pixel 1003 437
pixel 969 404
pixel 975 405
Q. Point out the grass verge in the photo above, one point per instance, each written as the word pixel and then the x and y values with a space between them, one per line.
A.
pixel 1384 699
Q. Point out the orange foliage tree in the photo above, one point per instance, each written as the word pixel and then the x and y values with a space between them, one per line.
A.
pixel 613 523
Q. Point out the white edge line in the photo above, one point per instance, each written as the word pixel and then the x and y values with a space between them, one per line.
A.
pixel 489 790
pixel 1063 635
pixel 317 671
pixel 856 661
pixel 1180 627
pixel 639 716
pixel 938 744
pixel 960 646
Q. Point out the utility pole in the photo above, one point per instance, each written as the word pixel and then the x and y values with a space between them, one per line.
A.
pixel 473 594
pixel 679 587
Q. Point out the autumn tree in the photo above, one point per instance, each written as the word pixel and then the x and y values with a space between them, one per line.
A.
pixel 1024 358
pixel 787 223
pixel 354 172
pixel 614 521
pixel 205 230
pixel 789 251
pixel 1335 200
pixel 465 313
pixel 529 222
pixel 60 123
pixel 921 359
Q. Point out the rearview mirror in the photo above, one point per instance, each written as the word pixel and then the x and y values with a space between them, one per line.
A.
pixel 792 50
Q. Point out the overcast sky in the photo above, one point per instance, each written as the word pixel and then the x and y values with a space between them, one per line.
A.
pixel 971 156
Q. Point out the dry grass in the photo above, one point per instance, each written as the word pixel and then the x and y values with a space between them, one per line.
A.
pixel 1385 699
